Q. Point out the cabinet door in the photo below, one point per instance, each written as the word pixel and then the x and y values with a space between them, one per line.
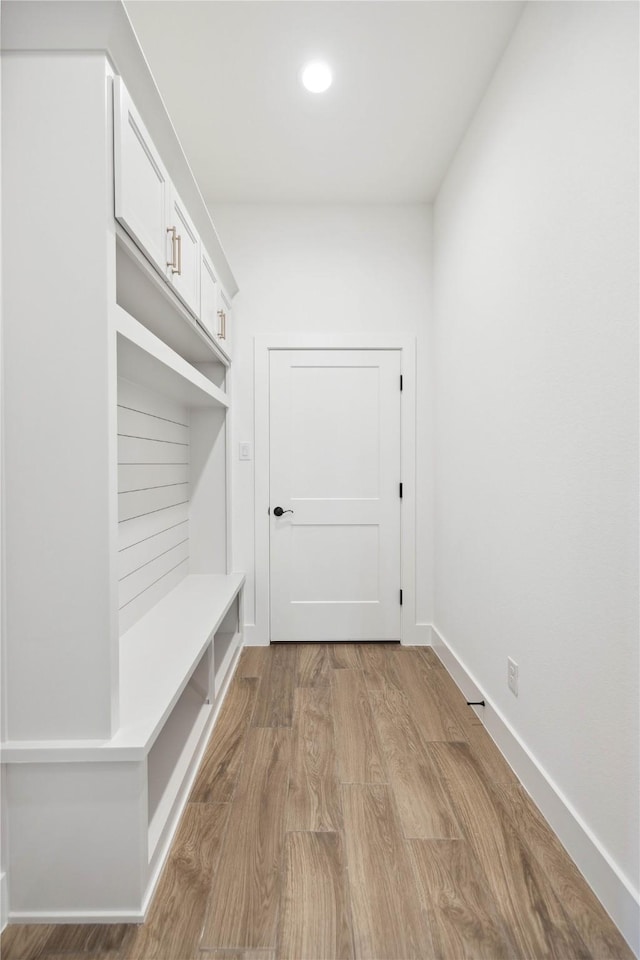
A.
pixel 141 182
pixel 209 298
pixel 225 319
pixel 183 254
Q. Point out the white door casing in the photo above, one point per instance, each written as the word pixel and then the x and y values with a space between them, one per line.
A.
pixel 335 462
pixel 257 591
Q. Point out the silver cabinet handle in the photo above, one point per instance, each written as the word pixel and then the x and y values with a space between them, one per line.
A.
pixel 179 269
pixel 222 332
pixel 172 263
pixel 176 257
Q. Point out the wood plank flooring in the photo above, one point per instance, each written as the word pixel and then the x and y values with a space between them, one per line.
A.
pixel 315 915
pixel 464 919
pixel 350 807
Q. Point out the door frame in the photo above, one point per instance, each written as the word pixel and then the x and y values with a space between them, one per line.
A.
pixel 258 634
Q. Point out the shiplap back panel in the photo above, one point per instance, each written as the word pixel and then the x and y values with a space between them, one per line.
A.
pixel 153 499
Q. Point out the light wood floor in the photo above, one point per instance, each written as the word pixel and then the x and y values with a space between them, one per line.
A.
pixel 350 805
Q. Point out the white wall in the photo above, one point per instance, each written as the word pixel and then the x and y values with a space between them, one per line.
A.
pixel 536 304
pixel 342 269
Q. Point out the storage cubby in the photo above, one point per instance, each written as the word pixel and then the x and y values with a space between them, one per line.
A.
pixel 171 755
pixel 225 642
pixel 172 503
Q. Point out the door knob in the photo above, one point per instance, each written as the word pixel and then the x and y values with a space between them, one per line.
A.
pixel 278 511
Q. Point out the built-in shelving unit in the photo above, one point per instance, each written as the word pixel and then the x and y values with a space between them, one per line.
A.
pixel 117 484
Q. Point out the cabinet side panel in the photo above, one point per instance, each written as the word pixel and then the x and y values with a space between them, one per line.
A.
pixel 59 369
pixel 78 838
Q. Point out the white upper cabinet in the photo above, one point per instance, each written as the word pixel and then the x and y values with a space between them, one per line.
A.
pixel 212 305
pixel 208 297
pixel 141 183
pixel 225 320
pixel 150 209
pixel 183 254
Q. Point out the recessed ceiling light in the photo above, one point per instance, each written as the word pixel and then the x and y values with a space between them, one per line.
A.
pixel 316 77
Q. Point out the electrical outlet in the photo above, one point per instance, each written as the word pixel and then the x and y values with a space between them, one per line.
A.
pixel 512 676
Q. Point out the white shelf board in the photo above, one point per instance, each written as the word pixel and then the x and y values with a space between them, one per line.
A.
pixel 61 751
pixel 143 358
pixel 158 654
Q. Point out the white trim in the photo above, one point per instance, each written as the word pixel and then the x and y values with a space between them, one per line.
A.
pixel 608 882
pixel 4 901
pixel 423 635
pixel 263 344
pixel 253 637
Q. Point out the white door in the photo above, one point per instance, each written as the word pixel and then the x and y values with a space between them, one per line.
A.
pixel 335 470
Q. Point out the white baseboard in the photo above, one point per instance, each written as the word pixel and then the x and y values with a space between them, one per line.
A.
pixel 4 902
pixel 612 888
pixel 80 917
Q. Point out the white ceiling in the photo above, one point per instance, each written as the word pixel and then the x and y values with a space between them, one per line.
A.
pixel 407 78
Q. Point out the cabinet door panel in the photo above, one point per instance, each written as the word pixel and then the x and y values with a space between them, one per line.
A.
pixel 183 255
pixel 225 320
pixel 141 182
pixel 209 299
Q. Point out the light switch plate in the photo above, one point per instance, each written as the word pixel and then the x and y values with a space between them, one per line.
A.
pixel 244 451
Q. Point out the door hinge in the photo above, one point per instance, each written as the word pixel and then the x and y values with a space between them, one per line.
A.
pixel 400 381
pixel 401 491
pixel 401 598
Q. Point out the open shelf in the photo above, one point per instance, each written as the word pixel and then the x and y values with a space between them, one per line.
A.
pixel 145 359
pixel 225 643
pixel 142 292
pixel 170 758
